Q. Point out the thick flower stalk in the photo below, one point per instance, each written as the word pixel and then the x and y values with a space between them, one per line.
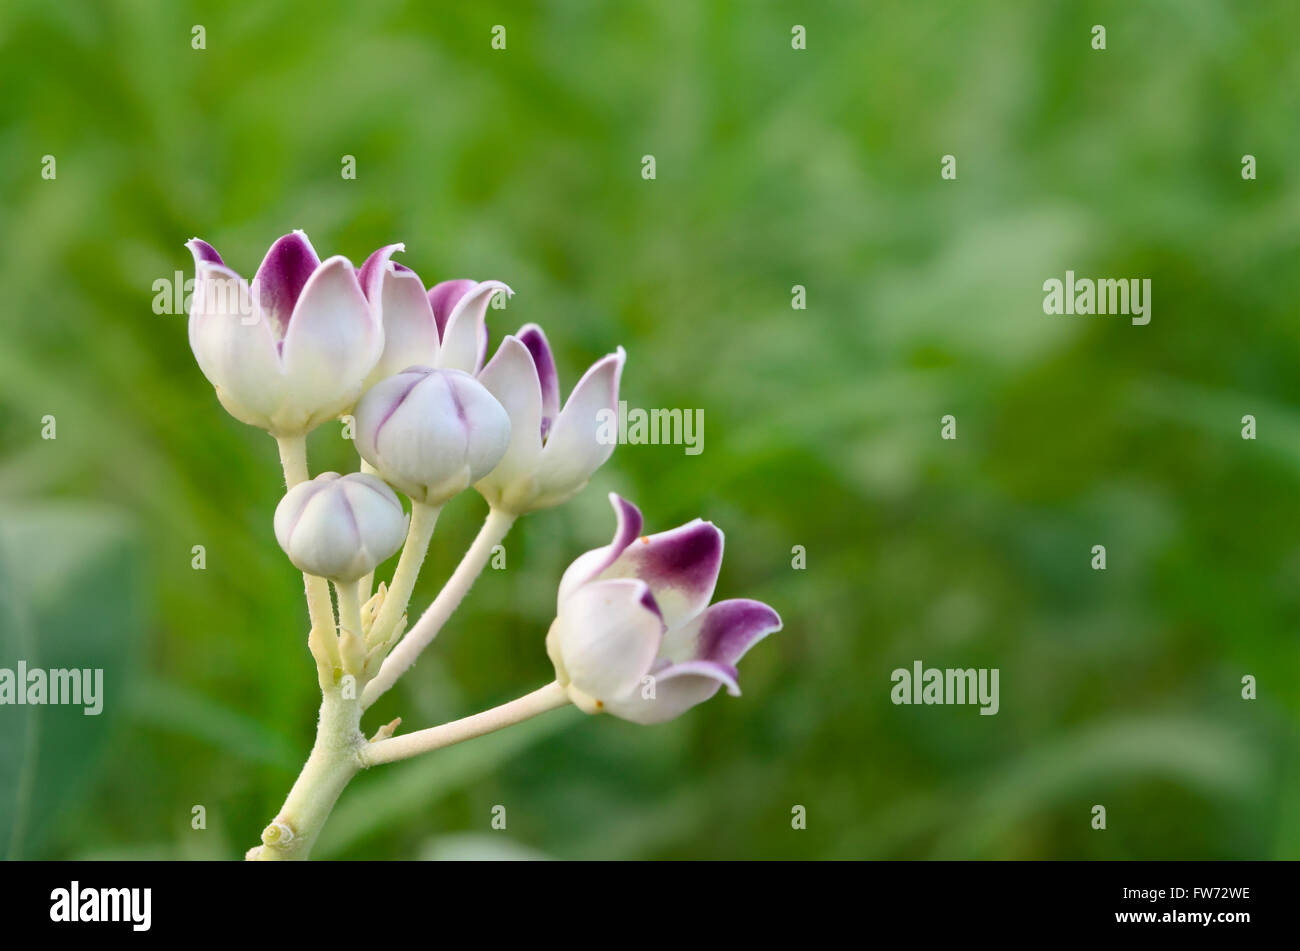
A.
pixel 634 633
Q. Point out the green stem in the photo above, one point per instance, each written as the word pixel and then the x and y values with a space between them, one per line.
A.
pixel 423 519
pixel 550 697
pixel 335 758
pixel 422 633
pixel 321 640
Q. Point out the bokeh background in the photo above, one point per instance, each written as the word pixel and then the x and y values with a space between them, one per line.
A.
pixel 775 167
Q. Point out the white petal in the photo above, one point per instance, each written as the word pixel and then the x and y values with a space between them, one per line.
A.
pixel 487 422
pixel 607 635
pixel 464 340
pixel 511 377
pixel 234 345
pixel 410 335
pixel 324 541
pixel 587 566
pixel 414 436
pixel 340 527
pixel 379 515
pixel 584 435
pixel 332 343
pixel 677 688
pixel 431 433
pixel 294 503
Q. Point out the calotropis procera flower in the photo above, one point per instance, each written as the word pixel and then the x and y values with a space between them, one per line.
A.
pixel 293 349
pixel 553 452
pixel 634 633
pixel 444 328
pixel 340 527
pixel 431 433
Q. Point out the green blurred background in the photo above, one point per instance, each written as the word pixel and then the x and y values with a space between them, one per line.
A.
pixel 775 167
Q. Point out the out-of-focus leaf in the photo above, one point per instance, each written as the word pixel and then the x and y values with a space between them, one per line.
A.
pixel 1198 754
pixel 174 708
pixel 19 725
pixel 73 573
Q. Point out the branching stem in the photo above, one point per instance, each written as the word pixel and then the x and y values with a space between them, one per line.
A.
pixel 422 633
pixel 550 697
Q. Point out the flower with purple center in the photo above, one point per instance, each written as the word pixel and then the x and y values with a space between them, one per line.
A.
pixel 552 452
pixel 444 328
pixel 634 633
pixel 293 349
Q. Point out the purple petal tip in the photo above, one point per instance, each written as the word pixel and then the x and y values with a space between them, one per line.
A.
pixel 203 252
pixel 730 628
pixel 283 274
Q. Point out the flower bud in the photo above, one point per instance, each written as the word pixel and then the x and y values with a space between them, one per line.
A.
pixel 431 433
pixel 553 452
pixel 292 349
pixel 634 633
pixel 444 327
pixel 340 527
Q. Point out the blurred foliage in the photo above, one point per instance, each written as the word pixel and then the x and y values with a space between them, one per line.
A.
pixel 775 167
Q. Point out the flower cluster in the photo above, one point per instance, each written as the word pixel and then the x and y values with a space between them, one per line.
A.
pixel 308 341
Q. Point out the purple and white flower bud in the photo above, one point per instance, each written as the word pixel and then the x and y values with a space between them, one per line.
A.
pixel 431 433
pixel 444 327
pixel 553 452
pixel 291 350
pixel 634 633
pixel 340 527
